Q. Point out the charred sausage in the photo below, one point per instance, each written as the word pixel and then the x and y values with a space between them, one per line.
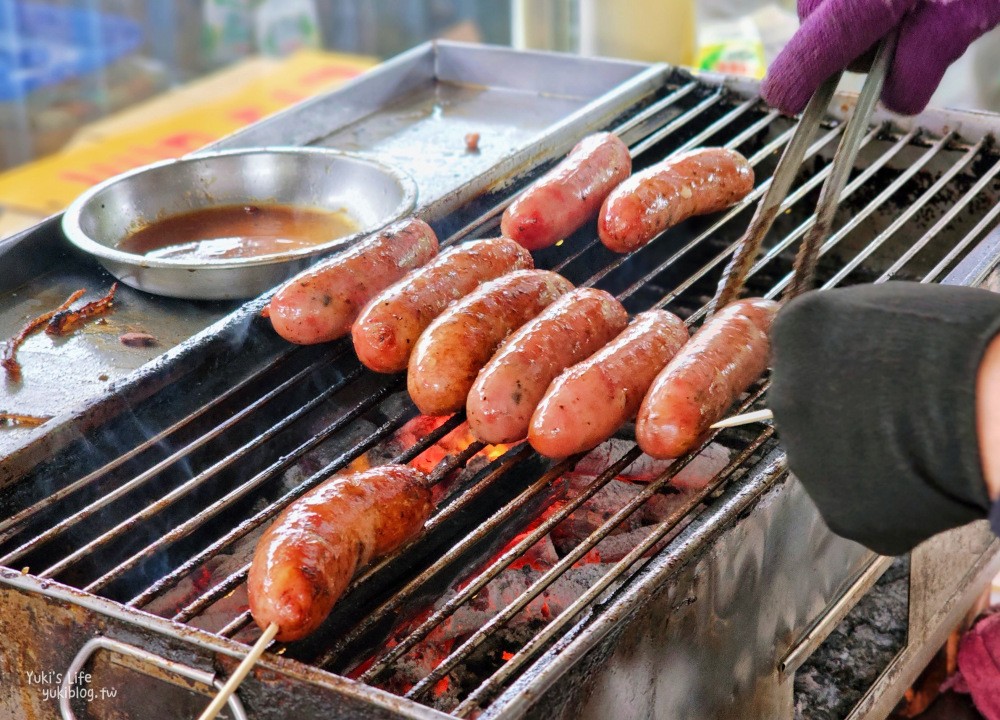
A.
pixel 306 558
pixel 586 404
pixel 320 304
pixel 693 391
pixel 691 183
pixel 564 198
pixel 455 347
pixel 511 385
pixel 388 327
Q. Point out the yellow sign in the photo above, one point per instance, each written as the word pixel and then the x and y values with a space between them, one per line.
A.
pixel 46 186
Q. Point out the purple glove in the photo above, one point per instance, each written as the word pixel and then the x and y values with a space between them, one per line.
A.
pixel 932 35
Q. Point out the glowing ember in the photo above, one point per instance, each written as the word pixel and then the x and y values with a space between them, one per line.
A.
pixel 451 444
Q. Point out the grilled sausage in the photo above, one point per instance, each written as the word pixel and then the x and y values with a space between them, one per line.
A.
pixel 509 388
pixel 564 198
pixel 586 404
pixel 320 304
pixel 691 183
pixel 693 391
pixel 388 327
pixel 454 348
pixel 305 560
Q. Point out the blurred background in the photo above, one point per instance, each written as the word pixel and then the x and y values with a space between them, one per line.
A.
pixel 90 88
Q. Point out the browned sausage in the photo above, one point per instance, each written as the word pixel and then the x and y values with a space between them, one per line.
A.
pixel 691 183
pixel 695 389
pixel 454 348
pixel 387 329
pixel 586 404
pixel 305 560
pixel 564 198
pixel 320 304
pixel 509 388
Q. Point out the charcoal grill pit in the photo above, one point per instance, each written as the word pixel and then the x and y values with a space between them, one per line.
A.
pixel 136 516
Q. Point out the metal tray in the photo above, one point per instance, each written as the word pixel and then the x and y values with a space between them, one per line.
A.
pixel 412 112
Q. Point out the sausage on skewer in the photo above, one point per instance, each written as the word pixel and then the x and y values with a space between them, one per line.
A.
pixel 511 385
pixel 562 200
pixel 587 403
pixel 306 558
pixel 388 327
pixel 696 182
pixel 705 378
pixel 321 304
pixel 456 346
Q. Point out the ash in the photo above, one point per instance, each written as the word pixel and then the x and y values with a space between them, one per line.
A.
pixel 850 660
pixel 575 534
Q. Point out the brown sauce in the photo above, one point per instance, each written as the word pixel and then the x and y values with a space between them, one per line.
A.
pixel 238 231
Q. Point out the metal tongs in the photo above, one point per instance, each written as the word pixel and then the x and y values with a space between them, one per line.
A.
pixel 804 270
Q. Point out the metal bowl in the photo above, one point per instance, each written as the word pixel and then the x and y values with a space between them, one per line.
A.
pixel 371 193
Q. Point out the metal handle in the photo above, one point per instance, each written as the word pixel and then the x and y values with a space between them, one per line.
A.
pixel 103 643
pixel 832 616
pixel 735 274
pixel 843 163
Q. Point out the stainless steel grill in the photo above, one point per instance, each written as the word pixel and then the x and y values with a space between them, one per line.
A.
pixel 153 512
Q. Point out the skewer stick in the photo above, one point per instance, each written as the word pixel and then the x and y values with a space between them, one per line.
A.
pixel 241 672
pixel 744 419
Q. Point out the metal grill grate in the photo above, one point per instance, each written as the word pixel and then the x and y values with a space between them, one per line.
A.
pixel 147 518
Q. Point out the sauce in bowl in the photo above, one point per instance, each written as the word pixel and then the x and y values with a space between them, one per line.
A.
pixel 238 231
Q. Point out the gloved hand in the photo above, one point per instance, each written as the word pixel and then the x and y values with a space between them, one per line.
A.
pixel 873 390
pixel 932 35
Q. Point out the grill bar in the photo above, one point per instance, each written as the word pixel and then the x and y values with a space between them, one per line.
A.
pixel 939 184
pixel 961 246
pixel 495 682
pixel 18 518
pixel 140 479
pixel 189 526
pixel 941 224
pixel 337 464
pixel 724 254
pixel 874 205
pixel 379 667
pixel 199 479
pixel 202 603
pixel 849 191
pixel 567 561
pixel 678 123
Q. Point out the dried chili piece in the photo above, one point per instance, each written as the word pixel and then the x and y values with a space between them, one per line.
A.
pixel 65 320
pixel 7 418
pixel 9 361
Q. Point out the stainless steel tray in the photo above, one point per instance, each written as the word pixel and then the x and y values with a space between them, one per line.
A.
pixel 411 112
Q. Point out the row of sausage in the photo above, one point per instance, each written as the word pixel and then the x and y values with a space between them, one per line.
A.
pixel 520 349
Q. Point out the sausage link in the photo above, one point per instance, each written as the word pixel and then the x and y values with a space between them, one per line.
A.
pixel 563 199
pixel 691 183
pixel 456 345
pixel 305 560
pixel 586 404
pixel 695 389
pixel 320 304
pixel 388 327
pixel 511 385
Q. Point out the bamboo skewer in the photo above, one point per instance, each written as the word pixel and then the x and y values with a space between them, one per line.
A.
pixel 744 419
pixel 241 672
